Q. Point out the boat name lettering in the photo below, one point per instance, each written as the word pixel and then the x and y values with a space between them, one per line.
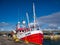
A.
pixel 28 33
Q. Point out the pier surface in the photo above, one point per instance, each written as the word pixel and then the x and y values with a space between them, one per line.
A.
pixel 6 41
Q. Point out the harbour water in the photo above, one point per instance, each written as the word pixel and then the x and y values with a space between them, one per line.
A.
pixel 51 42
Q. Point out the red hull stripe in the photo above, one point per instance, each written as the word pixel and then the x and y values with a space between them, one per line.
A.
pixel 34 38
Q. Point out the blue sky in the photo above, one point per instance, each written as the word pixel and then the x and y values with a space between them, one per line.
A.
pixel 9 9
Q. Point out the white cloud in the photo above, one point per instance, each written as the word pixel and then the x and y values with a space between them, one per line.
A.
pixel 53 20
pixel 3 24
pixel 58 27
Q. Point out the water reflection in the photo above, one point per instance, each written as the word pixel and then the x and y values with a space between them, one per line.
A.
pixel 51 42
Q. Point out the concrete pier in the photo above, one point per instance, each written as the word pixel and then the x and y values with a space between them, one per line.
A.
pixel 52 37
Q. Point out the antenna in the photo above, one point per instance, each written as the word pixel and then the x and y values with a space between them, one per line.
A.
pixel 18 20
pixel 18 14
pixel 27 19
pixel 34 14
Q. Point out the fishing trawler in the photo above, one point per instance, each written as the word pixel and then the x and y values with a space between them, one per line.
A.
pixel 29 34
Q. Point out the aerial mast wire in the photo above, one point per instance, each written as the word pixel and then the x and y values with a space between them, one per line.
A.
pixel 27 19
pixel 34 15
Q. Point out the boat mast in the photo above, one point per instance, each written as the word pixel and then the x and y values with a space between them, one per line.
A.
pixel 34 15
pixel 27 19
